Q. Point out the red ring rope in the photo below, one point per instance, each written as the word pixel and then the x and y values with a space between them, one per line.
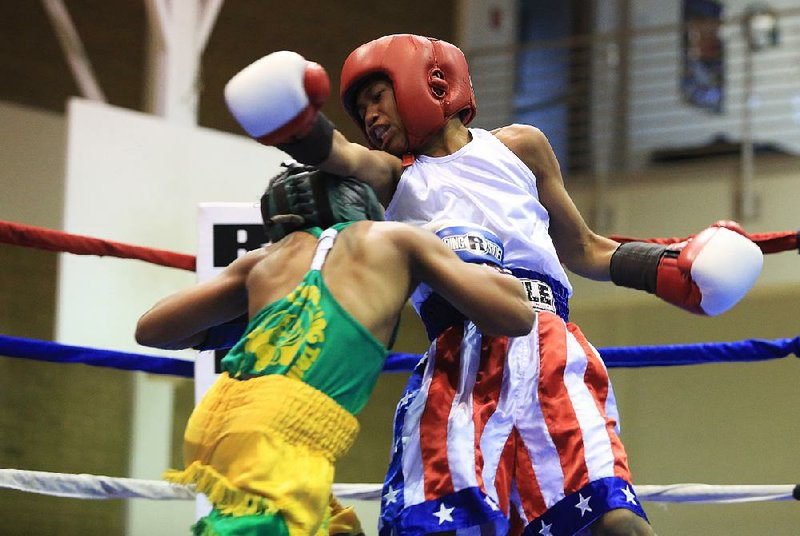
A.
pixel 768 242
pixel 36 237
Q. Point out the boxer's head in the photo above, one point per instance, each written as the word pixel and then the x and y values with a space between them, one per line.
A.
pixel 303 196
pixel 429 78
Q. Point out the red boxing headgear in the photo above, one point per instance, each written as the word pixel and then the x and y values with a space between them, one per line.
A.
pixel 430 79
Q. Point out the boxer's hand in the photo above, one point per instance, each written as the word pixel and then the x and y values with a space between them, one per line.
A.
pixel 706 275
pixel 472 243
pixel 277 98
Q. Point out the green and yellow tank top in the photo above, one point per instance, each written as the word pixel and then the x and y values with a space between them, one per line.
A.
pixel 308 336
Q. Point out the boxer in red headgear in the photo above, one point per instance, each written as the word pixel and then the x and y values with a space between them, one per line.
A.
pixel 434 84
pixel 490 429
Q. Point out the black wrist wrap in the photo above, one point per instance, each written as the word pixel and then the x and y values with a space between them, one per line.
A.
pixel 314 147
pixel 635 265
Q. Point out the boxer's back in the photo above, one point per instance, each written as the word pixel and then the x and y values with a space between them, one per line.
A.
pixel 366 271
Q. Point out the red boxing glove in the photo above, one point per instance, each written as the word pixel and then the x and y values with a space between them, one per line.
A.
pixel 706 275
pixel 732 225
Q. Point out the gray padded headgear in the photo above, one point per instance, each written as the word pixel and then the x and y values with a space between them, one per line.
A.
pixel 303 196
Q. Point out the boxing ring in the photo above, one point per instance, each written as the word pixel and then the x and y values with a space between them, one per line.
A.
pixel 84 486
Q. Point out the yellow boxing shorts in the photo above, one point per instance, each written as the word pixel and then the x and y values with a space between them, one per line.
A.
pixel 265 447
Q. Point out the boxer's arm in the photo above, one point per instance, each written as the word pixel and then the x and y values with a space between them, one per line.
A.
pixel 182 319
pixel 495 301
pixel 379 169
pixel 583 251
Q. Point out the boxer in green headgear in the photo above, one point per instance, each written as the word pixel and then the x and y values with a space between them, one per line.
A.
pixel 323 300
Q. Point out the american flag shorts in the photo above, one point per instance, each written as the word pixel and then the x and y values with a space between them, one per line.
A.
pixel 491 428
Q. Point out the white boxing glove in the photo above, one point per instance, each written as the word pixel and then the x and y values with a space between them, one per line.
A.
pixel 276 100
pixel 706 275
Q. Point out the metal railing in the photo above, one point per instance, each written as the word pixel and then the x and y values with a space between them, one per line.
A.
pixel 614 105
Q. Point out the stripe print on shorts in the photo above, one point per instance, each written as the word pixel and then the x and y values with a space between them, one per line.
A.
pixel 492 421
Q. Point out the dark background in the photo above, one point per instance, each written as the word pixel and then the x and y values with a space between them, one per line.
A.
pixel 114 33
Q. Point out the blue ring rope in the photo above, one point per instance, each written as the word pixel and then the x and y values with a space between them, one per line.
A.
pixel 642 356
pixel 62 353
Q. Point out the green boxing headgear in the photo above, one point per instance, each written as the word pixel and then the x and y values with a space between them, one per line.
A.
pixel 303 197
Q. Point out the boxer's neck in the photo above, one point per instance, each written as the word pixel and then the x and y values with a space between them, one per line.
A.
pixel 448 140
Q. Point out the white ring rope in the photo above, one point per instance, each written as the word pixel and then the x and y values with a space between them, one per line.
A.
pixel 85 486
pixel 92 486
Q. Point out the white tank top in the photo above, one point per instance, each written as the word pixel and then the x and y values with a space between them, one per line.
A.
pixel 486 184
